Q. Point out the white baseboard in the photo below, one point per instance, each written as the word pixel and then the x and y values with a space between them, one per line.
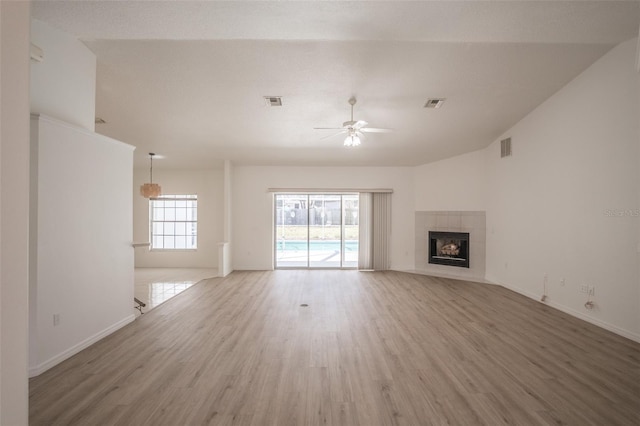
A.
pixel 567 310
pixel 441 275
pixel 51 362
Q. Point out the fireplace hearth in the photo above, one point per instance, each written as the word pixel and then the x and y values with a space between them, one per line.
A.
pixel 449 248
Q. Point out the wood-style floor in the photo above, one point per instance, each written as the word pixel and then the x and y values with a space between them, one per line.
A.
pixel 381 348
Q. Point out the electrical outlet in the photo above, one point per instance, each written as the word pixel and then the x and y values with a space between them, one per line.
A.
pixel 56 319
pixel 562 282
pixel 592 291
pixel 584 289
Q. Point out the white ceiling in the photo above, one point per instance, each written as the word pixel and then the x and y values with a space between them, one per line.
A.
pixel 186 79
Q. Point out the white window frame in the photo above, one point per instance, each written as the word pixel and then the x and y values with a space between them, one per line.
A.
pixel 172 224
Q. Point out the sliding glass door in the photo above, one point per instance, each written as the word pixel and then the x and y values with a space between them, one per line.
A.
pixel 292 231
pixel 325 231
pixel 316 230
pixel 351 229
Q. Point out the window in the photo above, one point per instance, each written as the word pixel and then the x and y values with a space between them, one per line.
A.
pixel 174 222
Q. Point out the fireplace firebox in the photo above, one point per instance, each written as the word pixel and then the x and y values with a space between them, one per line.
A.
pixel 449 248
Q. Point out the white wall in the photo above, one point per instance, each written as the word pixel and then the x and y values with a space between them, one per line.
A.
pixel 457 183
pixel 209 186
pixel 14 208
pixel 225 258
pixel 566 203
pixel 253 206
pixel 227 202
pixel 450 195
pixel 63 86
pixel 83 267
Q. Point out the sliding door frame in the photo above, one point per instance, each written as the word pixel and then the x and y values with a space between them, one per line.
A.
pixel 342 228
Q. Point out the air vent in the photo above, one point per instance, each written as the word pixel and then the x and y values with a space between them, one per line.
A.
pixel 37 54
pixel 505 148
pixel 273 100
pixel 100 121
pixel 434 103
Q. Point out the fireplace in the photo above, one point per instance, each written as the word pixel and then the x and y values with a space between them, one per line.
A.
pixel 449 248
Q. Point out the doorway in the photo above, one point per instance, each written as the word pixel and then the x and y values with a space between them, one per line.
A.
pixel 316 230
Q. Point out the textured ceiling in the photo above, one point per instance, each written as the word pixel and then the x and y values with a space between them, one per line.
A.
pixel 186 79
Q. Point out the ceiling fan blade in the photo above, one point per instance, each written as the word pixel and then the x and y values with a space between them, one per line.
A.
pixel 334 134
pixel 374 130
pixel 359 124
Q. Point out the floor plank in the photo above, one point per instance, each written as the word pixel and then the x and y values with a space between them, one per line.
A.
pixel 384 348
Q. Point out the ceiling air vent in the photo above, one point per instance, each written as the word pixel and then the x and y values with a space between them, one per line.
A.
pixel 434 103
pixel 505 148
pixel 273 100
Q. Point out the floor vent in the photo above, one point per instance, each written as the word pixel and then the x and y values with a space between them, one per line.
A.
pixel 505 148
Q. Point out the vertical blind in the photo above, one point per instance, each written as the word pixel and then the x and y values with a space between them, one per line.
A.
pixel 375 230
pixel 365 231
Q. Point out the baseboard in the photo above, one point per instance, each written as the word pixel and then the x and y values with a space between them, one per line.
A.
pixel 223 272
pixel 567 310
pixel 441 275
pixel 42 367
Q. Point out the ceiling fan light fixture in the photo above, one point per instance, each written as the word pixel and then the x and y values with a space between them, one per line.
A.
pixel 355 130
pixel 352 140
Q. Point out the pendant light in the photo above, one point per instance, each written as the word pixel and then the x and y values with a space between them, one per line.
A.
pixel 150 190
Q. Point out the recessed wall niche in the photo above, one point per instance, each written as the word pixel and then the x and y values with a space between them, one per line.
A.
pixel 472 222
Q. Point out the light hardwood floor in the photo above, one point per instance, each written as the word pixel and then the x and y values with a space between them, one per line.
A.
pixel 381 348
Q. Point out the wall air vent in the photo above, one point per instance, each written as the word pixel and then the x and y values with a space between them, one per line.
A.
pixel 434 103
pixel 505 148
pixel 273 100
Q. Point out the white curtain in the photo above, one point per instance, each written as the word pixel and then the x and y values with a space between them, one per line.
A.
pixel 375 230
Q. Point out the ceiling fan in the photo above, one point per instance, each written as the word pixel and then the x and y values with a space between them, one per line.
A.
pixel 354 129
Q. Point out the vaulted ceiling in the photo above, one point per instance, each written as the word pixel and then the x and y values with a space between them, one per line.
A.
pixel 186 79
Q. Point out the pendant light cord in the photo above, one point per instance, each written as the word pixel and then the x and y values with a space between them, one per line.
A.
pixel 151 168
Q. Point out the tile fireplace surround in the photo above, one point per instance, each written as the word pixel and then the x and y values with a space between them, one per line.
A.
pixel 473 222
